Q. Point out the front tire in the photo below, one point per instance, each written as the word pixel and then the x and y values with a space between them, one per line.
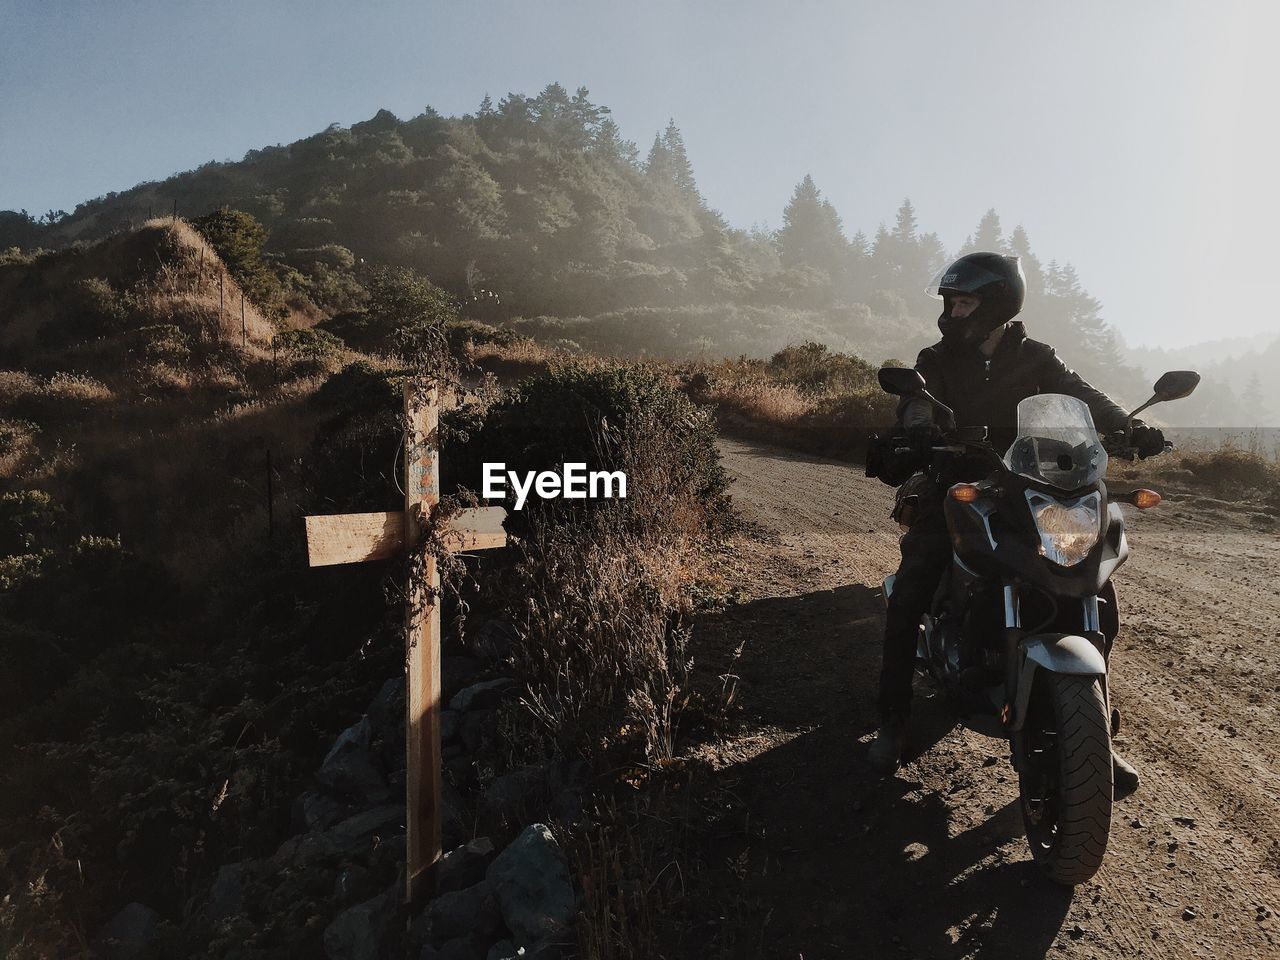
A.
pixel 1066 786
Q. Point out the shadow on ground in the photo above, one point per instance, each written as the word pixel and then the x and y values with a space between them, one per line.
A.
pixel 816 856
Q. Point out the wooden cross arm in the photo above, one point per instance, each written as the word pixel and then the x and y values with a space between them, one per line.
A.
pixel 356 537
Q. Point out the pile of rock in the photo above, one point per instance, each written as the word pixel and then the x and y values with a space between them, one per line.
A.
pixel 342 870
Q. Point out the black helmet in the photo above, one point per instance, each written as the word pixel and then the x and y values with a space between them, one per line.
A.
pixel 997 279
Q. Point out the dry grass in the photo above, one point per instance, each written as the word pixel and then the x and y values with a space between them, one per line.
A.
pixel 1228 472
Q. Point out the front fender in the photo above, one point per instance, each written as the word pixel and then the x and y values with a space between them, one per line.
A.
pixel 1059 653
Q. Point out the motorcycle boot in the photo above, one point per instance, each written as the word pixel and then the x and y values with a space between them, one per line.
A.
pixel 886 752
pixel 1126 778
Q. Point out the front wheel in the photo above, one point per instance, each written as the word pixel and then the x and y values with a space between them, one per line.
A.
pixel 1066 785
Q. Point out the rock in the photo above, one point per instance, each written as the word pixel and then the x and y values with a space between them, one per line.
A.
pixel 226 897
pixel 461 913
pixel 503 950
pixel 129 931
pixel 530 880
pixel 479 696
pixel 516 797
pixel 449 724
pixel 386 710
pixel 494 639
pixel 352 837
pixel 1188 913
pixel 386 720
pixel 458 672
pixel 352 882
pixel 318 811
pixel 464 866
pixel 1076 932
pixel 354 832
pixel 463 948
pixel 351 770
pixel 360 932
pixel 473 728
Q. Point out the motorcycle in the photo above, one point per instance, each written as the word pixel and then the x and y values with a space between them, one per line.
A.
pixel 1020 630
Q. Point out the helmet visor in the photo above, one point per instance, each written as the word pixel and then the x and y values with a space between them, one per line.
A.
pixel 962 278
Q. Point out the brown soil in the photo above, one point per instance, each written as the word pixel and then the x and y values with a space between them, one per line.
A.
pixel 827 860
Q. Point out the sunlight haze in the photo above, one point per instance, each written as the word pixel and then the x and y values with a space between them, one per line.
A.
pixel 1132 141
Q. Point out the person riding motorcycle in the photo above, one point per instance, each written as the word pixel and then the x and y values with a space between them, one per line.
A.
pixel 981 368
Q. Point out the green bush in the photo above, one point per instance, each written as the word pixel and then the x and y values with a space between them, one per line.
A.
pixel 350 461
pixel 29 520
pixel 597 415
pixel 473 331
pixel 814 367
pixel 239 238
pixel 312 350
pixel 162 343
pixel 93 309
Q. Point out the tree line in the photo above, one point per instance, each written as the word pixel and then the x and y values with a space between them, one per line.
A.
pixel 538 207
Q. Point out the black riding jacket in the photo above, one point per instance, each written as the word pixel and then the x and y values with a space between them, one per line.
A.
pixel 986 392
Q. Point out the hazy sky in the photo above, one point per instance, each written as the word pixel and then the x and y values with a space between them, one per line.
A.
pixel 1135 140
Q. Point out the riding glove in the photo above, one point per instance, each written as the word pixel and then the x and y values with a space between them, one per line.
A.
pixel 1149 441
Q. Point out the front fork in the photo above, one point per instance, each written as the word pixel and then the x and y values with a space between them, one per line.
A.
pixel 1013 636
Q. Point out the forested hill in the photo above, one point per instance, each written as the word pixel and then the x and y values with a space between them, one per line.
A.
pixel 538 208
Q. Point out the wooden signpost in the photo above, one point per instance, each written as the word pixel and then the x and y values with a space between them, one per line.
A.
pixel 356 537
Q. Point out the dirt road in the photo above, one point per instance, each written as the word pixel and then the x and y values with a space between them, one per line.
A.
pixel 835 862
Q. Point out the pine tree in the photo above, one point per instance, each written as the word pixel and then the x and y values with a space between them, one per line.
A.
pixel 657 165
pixel 811 234
pixel 1255 407
pixel 904 230
pixel 1020 246
pixel 988 238
pixel 681 171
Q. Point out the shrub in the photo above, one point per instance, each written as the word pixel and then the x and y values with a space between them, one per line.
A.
pixel 595 415
pixel 15 386
pixel 29 520
pixel 239 238
pixel 1230 472
pixel 92 310
pixel 17 441
pixel 162 343
pixel 814 367
pixel 312 350
pixel 351 459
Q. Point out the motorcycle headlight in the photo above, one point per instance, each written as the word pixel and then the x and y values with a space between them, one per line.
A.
pixel 1067 531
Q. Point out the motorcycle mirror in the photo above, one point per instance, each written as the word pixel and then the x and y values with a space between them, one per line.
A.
pixel 1173 385
pixel 1176 384
pixel 906 382
pixel 900 381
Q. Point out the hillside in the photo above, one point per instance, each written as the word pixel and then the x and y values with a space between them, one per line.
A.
pixel 537 209
pixel 176 682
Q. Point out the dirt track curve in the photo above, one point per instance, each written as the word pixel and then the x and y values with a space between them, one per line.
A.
pixel 837 863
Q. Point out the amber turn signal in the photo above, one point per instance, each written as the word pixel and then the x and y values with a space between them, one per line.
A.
pixel 1143 499
pixel 964 492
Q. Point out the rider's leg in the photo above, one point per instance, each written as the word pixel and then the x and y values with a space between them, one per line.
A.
pixel 926 551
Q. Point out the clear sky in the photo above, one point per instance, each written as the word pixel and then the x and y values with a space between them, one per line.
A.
pixel 1136 140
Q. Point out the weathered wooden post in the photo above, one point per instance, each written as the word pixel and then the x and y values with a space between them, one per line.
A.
pixel 351 538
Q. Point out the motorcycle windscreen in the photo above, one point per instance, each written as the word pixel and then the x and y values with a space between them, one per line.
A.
pixel 1057 442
